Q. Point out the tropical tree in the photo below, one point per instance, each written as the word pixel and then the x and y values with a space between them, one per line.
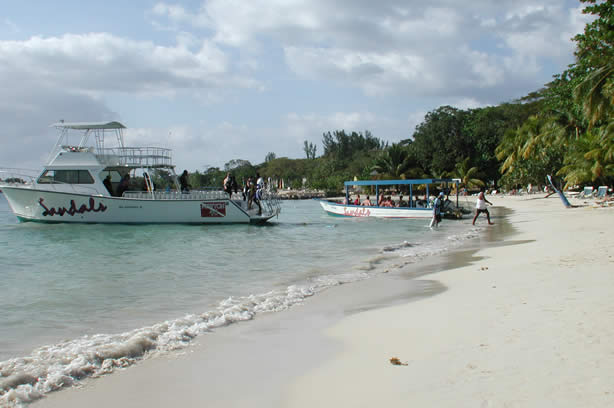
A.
pixel 596 94
pixel 309 149
pixel 440 142
pixel 530 152
pixel 467 174
pixel 588 162
pixel 393 163
pixel 269 157
pixel 485 129
pixel 575 120
pixel 343 146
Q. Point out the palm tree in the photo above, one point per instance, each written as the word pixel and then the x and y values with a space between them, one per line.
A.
pixel 393 163
pixel 467 175
pixel 592 157
pixel 533 150
pixel 596 94
pixel 585 163
pixel 607 140
pixel 518 144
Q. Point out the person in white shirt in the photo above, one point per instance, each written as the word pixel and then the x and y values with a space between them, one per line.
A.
pixel 259 182
pixel 480 206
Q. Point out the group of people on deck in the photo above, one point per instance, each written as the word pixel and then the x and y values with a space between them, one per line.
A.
pixel 122 186
pixel 384 201
pixel 252 189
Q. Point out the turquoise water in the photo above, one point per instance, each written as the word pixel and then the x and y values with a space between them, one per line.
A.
pixel 81 300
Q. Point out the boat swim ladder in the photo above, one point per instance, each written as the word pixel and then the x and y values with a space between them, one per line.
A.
pixel 270 202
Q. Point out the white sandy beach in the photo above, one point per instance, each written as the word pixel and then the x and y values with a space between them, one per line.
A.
pixel 528 323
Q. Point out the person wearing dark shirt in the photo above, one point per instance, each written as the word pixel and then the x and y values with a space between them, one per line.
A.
pixel 183 182
pixel 107 184
pixel 123 185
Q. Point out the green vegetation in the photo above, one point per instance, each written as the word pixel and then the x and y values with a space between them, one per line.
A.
pixel 571 131
pixel 565 129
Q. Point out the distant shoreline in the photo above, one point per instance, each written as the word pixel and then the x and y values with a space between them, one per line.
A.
pixel 300 194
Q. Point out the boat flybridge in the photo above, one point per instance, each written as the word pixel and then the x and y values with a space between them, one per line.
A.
pixel 417 203
pixel 85 182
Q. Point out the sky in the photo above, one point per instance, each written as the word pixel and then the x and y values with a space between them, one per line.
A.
pixel 218 80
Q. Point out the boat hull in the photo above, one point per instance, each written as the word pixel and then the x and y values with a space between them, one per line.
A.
pixel 30 204
pixel 346 210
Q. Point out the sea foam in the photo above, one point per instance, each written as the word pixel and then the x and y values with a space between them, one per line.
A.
pixel 52 367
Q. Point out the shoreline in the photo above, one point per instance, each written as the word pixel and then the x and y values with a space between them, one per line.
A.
pixel 528 325
pixel 239 344
pixel 322 353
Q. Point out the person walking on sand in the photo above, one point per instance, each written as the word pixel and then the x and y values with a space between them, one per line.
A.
pixel 480 207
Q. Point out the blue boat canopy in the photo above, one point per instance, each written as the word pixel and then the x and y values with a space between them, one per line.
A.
pixel 410 182
pixel 398 182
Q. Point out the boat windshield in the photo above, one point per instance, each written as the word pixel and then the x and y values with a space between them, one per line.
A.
pixel 66 177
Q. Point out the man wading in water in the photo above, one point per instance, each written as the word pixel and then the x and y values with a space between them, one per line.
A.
pixel 437 206
pixel 480 206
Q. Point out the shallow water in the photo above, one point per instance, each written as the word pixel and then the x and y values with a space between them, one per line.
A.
pixel 81 300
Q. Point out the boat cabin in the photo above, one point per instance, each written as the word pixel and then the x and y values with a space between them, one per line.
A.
pixel 82 165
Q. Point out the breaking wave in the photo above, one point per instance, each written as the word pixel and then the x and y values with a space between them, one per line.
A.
pixel 50 368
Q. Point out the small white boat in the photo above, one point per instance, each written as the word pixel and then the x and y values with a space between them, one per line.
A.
pixel 71 187
pixel 412 208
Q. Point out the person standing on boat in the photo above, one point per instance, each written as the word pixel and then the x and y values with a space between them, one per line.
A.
pixel 183 182
pixel 251 192
pixel 437 205
pixel 480 206
pixel 227 185
pixel 233 183
pixel 124 183
pixel 254 193
pixel 245 188
pixel 107 184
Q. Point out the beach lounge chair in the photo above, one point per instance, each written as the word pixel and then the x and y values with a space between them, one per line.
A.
pixel 587 192
pixel 602 191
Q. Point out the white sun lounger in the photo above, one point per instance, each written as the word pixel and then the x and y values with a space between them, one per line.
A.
pixel 587 192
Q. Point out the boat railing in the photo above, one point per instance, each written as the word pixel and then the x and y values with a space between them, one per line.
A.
pixel 174 195
pixel 136 156
pixel 17 177
pixel 270 202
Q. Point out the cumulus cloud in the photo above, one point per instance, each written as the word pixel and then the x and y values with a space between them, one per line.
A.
pixel 25 116
pixel 207 144
pixel 48 78
pixel 210 144
pixel 477 53
pixel 101 62
pixel 392 46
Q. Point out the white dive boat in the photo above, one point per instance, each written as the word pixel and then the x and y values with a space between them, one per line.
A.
pixel 71 187
pixel 412 207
